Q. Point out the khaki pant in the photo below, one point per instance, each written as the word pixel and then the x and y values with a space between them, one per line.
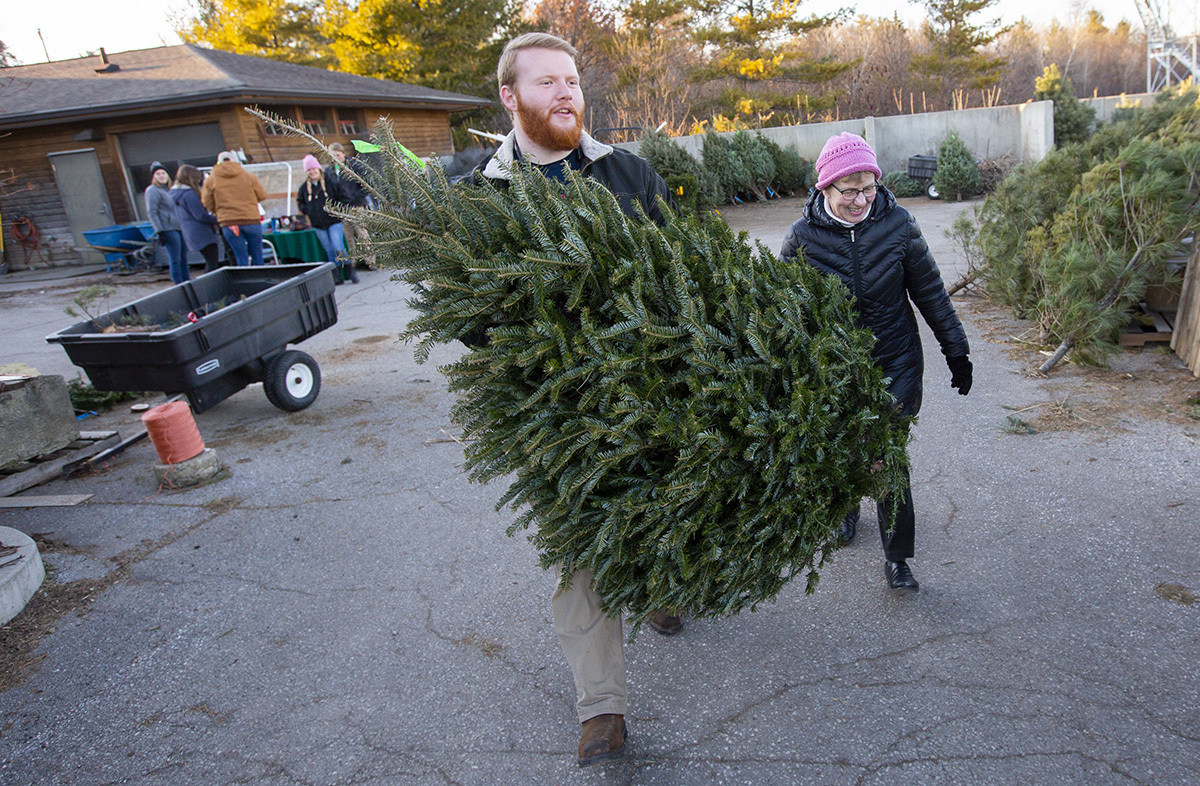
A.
pixel 591 640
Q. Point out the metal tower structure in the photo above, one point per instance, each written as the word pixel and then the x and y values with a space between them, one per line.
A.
pixel 1170 58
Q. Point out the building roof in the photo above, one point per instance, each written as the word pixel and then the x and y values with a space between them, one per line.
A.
pixel 186 76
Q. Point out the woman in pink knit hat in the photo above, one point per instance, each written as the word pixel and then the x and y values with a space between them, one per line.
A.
pixel 312 198
pixel 853 228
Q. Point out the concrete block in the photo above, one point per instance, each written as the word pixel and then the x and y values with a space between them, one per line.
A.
pixel 21 578
pixel 194 471
pixel 36 418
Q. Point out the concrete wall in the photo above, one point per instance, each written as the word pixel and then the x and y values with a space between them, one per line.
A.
pixel 1106 106
pixel 1023 131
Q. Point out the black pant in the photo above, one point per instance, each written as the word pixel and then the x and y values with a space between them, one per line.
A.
pixel 897 544
pixel 210 255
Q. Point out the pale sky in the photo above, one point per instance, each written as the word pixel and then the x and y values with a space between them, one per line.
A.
pixel 72 27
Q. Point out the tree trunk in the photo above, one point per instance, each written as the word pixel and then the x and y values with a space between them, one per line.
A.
pixel 1058 355
pixel 963 282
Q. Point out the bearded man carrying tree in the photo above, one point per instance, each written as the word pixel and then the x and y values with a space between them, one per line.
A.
pixel 539 86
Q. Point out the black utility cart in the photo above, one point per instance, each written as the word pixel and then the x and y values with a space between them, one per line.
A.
pixel 923 168
pixel 212 336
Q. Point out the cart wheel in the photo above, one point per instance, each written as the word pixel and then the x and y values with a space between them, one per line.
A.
pixel 931 192
pixel 293 380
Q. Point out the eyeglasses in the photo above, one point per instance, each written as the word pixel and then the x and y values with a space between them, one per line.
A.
pixel 851 194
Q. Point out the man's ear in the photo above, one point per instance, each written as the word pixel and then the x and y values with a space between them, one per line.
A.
pixel 509 98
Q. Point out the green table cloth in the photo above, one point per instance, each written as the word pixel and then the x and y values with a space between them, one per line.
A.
pixel 300 246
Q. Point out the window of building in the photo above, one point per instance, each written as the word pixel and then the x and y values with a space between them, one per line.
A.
pixel 317 120
pixel 350 122
pixel 286 112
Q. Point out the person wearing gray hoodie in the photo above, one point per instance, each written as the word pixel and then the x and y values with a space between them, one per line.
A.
pixel 161 210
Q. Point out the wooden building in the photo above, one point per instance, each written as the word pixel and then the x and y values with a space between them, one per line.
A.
pixel 77 136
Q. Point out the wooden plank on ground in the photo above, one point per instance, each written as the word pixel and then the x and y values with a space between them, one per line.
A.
pixel 1160 323
pixel 48 470
pixel 1186 338
pixel 45 501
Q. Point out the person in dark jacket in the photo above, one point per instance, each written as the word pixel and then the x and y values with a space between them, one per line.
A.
pixel 161 210
pixel 312 197
pixel 200 228
pixel 348 191
pixel 539 86
pixel 853 228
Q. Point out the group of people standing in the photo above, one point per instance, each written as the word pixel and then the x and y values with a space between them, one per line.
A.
pixel 195 212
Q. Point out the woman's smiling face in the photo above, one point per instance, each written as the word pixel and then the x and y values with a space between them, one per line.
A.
pixel 860 187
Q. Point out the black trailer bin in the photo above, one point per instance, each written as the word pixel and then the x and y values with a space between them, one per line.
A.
pixel 212 336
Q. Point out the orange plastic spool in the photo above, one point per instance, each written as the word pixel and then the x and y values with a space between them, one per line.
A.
pixel 173 431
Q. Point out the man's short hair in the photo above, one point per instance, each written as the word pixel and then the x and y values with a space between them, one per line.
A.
pixel 337 147
pixel 506 69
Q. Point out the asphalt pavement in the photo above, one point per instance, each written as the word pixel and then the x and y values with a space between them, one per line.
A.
pixel 344 607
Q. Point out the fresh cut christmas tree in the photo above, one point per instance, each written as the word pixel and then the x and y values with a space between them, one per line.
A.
pixel 673 408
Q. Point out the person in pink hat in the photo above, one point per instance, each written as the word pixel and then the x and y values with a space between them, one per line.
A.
pixel 313 196
pixel 853 228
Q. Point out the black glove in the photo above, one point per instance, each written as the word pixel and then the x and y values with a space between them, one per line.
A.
pixel 960 373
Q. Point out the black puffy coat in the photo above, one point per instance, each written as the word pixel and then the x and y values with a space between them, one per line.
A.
pixel 884 261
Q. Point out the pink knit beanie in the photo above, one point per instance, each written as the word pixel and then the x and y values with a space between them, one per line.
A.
pixel 311 162
pixel 843 155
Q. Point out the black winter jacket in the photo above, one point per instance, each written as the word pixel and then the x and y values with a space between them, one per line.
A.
pixel 630 178
pixel 884 261
pixel 311 199
pixel 342 187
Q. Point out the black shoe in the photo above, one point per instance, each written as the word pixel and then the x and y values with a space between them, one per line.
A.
pixel 849 527
pixel 900 578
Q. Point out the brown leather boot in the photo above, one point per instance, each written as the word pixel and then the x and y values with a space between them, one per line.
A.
pixel 665 622
pixel 601 738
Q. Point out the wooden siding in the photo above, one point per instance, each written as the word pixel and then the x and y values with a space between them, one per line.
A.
pixel 34 193
pixel 1185 339
pixel 424 131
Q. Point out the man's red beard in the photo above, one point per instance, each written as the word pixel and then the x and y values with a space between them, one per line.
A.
pixel 538 128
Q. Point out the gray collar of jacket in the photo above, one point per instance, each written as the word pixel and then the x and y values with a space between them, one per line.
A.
pixel 500 164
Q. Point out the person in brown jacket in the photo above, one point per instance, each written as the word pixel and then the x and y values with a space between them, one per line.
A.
pixel 232 194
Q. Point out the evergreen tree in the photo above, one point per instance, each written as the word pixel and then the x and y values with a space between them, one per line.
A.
pixel 755 159
pixel 721 160
pixel 701 190
pixel 287 30
pixel 1072 118
pixel 958 59
pixel 756 53
pixel 957 176
pixel 901 185
pixel 1073 240
pixel 792 173
pixel 435 43
pixel 675 410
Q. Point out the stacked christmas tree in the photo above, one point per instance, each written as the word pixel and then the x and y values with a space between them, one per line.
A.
pixel 682 413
